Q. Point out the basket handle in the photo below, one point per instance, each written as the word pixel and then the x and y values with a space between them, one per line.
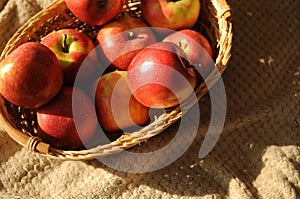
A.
pixel 223 9
pixel 32 143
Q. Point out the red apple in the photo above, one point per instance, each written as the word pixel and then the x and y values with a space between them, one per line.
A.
pixel 171 14
pixel 30 76
pixel 160 76
pixel 196 47
pixel 95 12
pixel 122 39
pixel 72 48
pixel 68 121
pixel 117 109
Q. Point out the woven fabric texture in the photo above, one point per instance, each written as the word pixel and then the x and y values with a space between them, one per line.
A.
pixel 257 155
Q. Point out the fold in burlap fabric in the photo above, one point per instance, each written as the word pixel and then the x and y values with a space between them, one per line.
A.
pixel 257 155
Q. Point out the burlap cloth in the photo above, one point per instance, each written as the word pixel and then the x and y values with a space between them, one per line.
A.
pixel 257 155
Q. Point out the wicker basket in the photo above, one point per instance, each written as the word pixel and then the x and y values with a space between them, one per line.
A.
pixel 214 22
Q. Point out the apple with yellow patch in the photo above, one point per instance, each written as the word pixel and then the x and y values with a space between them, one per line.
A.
pixel 171 14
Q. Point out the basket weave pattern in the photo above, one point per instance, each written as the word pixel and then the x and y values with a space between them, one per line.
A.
pixel 214 22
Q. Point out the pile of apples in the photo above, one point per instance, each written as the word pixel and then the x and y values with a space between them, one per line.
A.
pixel 133 65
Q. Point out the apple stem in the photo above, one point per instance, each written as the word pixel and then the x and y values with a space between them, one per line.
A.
pixel 101 3
pixel 182 45
pixel 181 61
pixel 131 35
pixel 64 44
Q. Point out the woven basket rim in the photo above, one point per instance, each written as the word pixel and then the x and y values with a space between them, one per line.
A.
pixel 224 43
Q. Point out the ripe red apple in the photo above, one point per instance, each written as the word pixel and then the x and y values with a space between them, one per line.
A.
pixel 171 14
pixel 95 12
pixel 160 76
pixel 72 48
pixel 68 121
pixel 30 76
pixel 117 109
pixel 196 47
pixel 120 40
